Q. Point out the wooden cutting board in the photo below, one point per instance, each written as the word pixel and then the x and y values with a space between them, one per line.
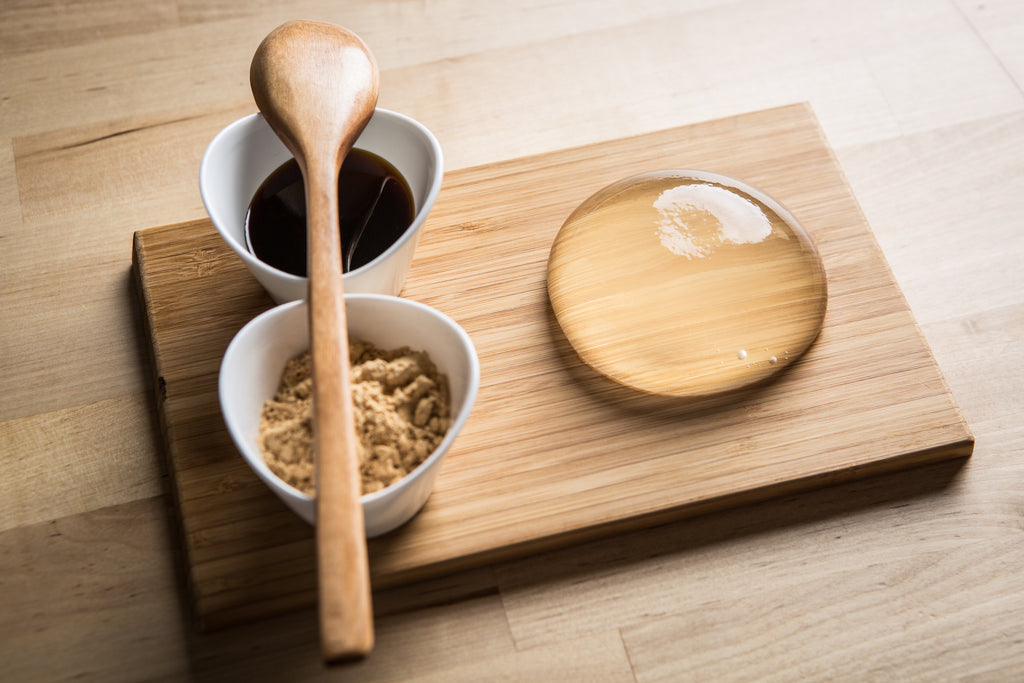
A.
pixel 553 453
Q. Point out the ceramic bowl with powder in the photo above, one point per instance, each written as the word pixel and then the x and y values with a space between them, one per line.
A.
pixel 251 373
pixel 402 411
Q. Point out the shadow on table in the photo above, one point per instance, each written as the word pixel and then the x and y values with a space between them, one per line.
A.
pixel 286 647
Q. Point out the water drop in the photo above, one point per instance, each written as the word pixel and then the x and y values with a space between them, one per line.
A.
pixel 655 277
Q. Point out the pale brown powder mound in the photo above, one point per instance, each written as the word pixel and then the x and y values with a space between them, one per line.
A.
pixel 402 412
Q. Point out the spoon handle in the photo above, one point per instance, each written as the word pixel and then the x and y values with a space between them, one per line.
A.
pixel 346 613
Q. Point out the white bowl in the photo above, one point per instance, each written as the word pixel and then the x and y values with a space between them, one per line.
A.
pixel 251 372
pixel 243 154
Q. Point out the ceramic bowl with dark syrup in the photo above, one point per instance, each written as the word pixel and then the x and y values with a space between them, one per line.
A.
pixel 391 179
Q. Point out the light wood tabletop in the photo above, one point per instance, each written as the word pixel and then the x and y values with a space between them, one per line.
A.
pixel 106 108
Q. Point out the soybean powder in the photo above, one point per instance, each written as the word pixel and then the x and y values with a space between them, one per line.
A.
pixel 402 412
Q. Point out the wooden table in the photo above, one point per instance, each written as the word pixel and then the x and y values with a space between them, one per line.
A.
pixel 105 110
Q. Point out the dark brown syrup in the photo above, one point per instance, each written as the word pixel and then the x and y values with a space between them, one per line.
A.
pixel 374 203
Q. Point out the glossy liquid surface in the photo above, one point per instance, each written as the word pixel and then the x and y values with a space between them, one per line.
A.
pixel 374 202
pixel 686 284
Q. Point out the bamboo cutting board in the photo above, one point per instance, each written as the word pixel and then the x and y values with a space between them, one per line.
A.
pixel 553 453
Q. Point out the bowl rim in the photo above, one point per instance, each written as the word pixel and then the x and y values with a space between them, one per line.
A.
pixel 251 452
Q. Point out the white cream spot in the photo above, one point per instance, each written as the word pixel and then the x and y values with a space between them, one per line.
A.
pixel 694 219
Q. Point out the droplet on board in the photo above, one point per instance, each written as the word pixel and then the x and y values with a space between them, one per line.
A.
pixel 660 278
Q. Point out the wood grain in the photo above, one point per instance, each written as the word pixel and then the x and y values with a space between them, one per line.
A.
pixel 55 455
pixel 552 454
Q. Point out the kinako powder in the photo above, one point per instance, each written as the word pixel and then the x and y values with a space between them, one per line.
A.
pixel 402 412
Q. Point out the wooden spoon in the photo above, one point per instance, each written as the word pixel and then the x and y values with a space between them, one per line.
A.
pixel 317 85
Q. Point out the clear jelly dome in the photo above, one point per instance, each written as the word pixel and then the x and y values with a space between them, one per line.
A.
pixel 686 283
